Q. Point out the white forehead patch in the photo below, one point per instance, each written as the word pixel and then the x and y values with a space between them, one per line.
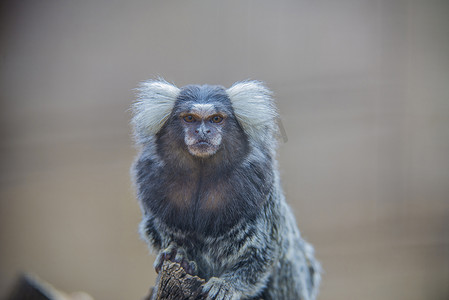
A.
pixel 203 110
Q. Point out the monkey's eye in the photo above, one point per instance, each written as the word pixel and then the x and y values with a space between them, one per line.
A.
pixel 189 118
pixel 217 119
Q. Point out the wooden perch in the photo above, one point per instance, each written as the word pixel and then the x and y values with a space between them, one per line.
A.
pixel 173 283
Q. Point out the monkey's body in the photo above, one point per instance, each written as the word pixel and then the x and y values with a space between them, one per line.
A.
pixel 211 197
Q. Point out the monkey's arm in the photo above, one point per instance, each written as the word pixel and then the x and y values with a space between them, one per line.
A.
pixel 249 267
pixel 165 247
pixel 149 232
pixel 145 173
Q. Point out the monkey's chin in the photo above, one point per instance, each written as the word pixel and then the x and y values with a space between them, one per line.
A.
pixel 202 149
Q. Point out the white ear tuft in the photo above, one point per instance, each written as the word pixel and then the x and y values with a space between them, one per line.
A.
pixel 154 104
pixel 254 108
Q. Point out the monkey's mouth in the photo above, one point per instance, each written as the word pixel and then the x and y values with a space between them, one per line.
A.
pixel 202 148
pixel 203 144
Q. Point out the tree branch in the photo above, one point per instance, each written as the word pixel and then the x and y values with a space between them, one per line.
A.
pixel 173 283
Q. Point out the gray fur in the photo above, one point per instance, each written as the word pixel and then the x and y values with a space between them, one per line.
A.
pixel 225 213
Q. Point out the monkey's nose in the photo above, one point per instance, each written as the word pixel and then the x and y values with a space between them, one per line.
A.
pixel 202 131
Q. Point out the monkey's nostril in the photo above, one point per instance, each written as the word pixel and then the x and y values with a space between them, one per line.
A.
pixel 197 131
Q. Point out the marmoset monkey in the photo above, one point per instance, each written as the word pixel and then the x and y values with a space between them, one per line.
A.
pixel 207 182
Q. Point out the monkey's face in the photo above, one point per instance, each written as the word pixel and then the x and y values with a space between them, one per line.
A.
pixel 203 129
pixel 202 124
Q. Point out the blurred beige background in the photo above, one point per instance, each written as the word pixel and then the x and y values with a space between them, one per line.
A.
pixel 363 89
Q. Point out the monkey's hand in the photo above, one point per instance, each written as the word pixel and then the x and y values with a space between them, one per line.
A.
pixel 175 254
pixel 220 289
